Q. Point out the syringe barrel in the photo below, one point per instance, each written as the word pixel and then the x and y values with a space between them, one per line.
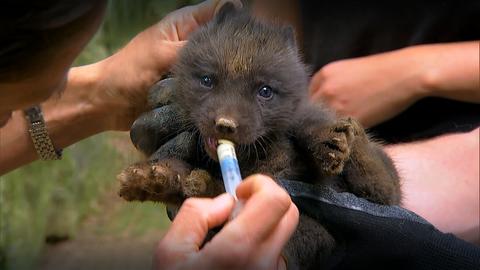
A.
pixel 229 166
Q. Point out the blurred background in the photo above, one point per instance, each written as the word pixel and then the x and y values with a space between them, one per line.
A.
pixel 66 214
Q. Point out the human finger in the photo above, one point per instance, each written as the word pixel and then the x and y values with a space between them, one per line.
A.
pixel 190 226
pixel 188 19
pixel 205 11
pixel 181 147
pixel 315 84
pixel 154 128
pixel 265 203
pixel 268 253
pixel 274 245
pixel 161 93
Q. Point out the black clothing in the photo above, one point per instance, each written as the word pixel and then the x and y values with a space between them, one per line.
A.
pixel 373 236
pixel 334 30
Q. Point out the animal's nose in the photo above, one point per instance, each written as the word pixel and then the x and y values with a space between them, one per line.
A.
pixel 225 125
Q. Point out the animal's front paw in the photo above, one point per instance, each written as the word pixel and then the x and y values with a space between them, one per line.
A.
pixel 355 129
pixel 334 152
pixel 333 147
pixel 153 181
pixel 199 183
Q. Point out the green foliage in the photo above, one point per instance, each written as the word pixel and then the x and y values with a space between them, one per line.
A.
pixel 48 198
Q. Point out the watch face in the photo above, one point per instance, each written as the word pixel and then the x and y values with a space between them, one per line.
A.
pixel 34 114
pixel 59 153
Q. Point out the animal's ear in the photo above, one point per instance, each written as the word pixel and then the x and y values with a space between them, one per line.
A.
pixel 289 34
pixel 226 10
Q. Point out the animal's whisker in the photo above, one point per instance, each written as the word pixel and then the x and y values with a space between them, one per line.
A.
pixel 256 153
pixel 261 141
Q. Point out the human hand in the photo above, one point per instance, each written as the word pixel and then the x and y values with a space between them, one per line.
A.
pixel 253 240
pixel 124 78
pixel 375 88
pixel 373 236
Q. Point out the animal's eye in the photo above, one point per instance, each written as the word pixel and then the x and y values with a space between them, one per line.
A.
pixel 206 81
pixel 265 92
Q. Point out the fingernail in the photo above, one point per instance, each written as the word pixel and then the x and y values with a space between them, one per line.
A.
pixel 223 200
pixel 237 208
pixel 282 263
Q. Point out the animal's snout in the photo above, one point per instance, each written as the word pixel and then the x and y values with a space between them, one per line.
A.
pixel 226 126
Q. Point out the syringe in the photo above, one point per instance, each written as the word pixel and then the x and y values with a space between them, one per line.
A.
pixel 230 170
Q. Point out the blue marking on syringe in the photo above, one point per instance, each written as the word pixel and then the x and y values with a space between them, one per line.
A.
pixel 229 166
pixel 231 174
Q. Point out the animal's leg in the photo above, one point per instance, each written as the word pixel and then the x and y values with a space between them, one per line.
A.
pixel 369 172
pixel 343 148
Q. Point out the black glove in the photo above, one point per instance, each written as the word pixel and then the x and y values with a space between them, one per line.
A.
pixel 372 236
pixel 161 132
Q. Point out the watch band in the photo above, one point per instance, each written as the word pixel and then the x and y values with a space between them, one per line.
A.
pixel 39 134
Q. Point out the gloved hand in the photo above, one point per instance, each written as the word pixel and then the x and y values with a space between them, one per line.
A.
pixel 158 132
pixel 372 236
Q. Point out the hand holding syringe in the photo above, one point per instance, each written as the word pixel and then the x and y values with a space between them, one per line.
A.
pixel 230 171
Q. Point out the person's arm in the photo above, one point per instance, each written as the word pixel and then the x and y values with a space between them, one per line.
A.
pixel 390 82
pixel 454 71
pixel 110 94
pixel 71 116
pixel 440 181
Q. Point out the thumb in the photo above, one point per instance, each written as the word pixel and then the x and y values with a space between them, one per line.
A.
pixel 316 83
pixel 190 226
pixel 206 10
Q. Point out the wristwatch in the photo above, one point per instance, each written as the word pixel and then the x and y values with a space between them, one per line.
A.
pixel 39 134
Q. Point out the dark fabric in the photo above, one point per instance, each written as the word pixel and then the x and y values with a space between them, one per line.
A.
pixel 341 29
pixel 372 236
pixel 427 118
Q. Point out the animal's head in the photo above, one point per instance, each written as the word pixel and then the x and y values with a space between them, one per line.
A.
pixel 240 79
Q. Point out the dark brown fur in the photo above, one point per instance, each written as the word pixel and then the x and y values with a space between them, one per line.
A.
pixel 285 137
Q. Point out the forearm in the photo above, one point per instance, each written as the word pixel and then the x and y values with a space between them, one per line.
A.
pixel 439 180
pixel 452 71
pixel 70 117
